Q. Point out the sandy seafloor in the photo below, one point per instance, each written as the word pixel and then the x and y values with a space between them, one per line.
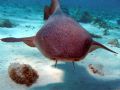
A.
pixel 63 77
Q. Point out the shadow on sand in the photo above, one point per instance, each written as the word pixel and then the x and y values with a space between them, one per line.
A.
pixel 80 79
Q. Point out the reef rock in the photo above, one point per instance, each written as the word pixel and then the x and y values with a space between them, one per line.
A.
pixel 86 17
pixel 106 32
pixel 101 23
pixel 6 23
pixel 22 74
pixel 114 42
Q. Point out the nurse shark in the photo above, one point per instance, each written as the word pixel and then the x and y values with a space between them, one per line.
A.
pixel 61 38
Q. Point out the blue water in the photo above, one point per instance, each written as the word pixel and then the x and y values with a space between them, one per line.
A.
pixel 94 4
pixel 110 6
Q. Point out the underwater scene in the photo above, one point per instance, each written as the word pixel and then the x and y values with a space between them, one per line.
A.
pixel 59 45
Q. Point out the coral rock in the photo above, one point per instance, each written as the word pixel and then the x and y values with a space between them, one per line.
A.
pixel 86 17
pixel 114 42
pixel 22 74
pixel 106 32
pixel 101 23
pixel 6 23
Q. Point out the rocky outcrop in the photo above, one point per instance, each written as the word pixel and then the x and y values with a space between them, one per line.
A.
pixel 86 17
pixel 114 42
pixel 6 23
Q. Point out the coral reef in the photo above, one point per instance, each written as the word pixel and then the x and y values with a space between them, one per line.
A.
pixel 81 16
pixel 6 23
pixel 100 23
pixel 75 13
pixel 86 17
pixel 22 74
pixel 106 32
pixel 66 10
pixel 78 14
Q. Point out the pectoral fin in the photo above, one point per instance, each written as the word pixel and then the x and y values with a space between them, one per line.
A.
pixel 28 40
pixel 95 45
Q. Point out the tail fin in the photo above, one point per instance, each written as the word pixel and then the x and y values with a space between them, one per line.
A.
pixel 98 45
pixel 28 41
pixel 51 9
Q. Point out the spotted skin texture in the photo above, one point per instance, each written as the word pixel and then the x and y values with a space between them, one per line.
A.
pixel 62 38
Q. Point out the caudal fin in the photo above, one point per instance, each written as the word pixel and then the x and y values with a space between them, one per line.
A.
pixel 98 45
pixel 28 41
pixel 49 10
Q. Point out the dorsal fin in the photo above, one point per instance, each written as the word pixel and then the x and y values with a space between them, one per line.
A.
pixel 95 45
pixel 56 5
pixel 52 9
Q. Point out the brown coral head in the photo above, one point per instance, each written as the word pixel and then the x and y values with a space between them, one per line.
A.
pixel 22 74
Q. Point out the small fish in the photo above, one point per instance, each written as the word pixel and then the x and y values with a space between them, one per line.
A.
pixel 61 37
